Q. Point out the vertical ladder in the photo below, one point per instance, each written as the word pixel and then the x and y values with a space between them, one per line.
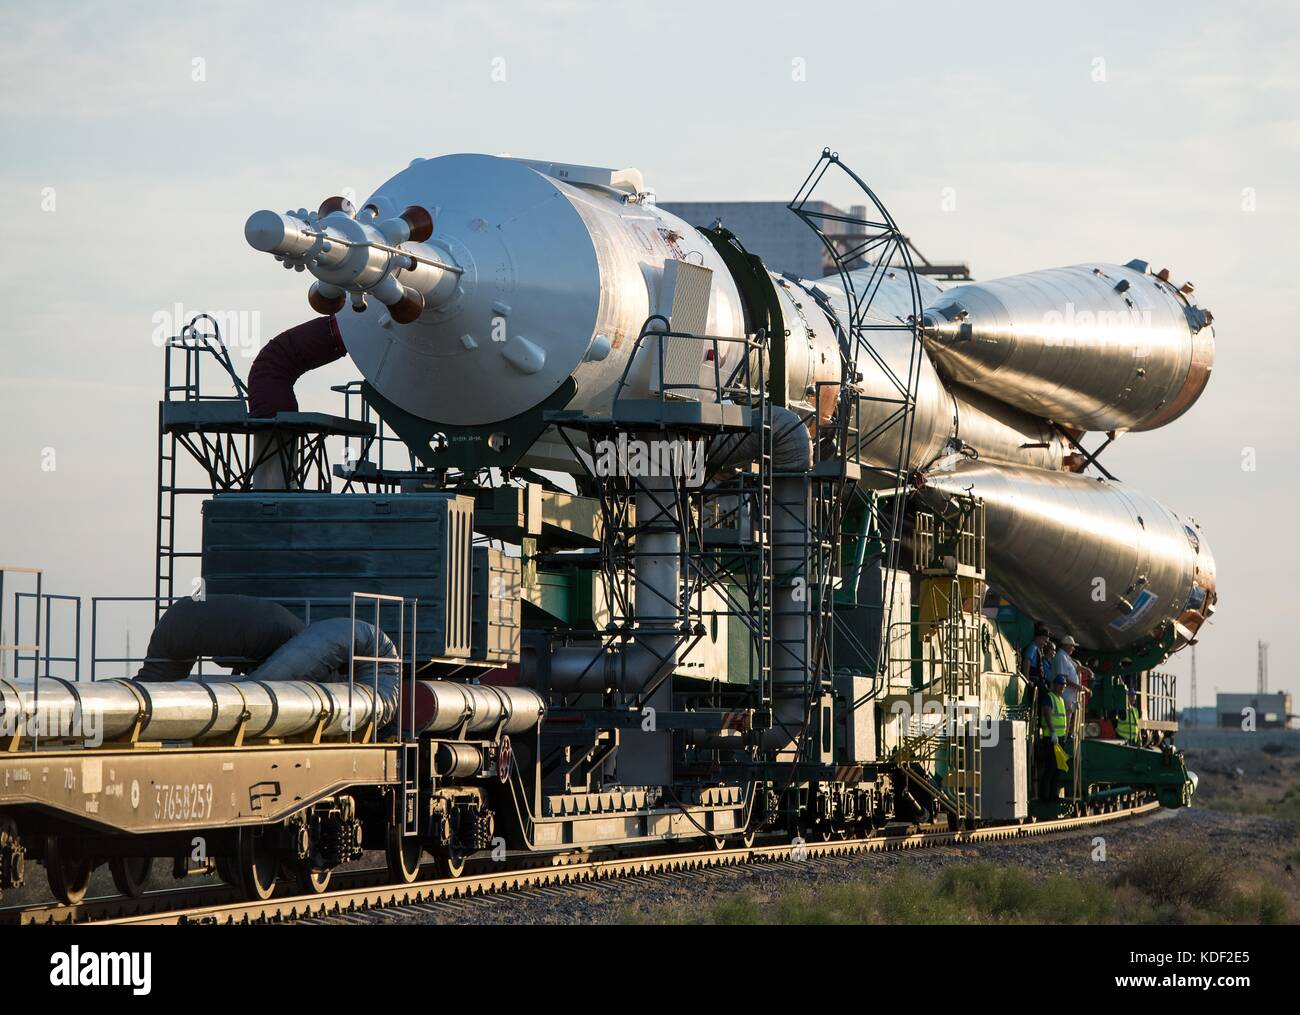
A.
pixel 165 531
pixel 766 579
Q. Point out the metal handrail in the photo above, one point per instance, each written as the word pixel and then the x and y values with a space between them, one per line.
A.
pixel 18 647
pixel 195 343
pixel 379 599
pixel 752 343
pixel 307 603
pixel 48 641
pixel 383 436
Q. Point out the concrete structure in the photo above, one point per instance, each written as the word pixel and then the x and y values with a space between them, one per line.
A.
pixel 766 228
pixel 1272 711
pixel 784 242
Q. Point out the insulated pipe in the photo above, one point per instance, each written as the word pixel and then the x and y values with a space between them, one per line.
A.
pixel 454 760
pixel 657 603
pixel 286 358
pixel 321 653
pixel 443 706
pixel 108 711
pixel 657 565
pixel 271 378
pixel 792 546
pixel 245 630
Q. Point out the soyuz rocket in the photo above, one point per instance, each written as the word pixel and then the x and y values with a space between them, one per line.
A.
pixel 483 284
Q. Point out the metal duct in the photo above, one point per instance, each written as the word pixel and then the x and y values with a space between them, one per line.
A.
pixel 106 711
pixel 443 706
pixel 233 628
pixel 791 549
pixel 321 652
pixel 598 668
pixel 657 605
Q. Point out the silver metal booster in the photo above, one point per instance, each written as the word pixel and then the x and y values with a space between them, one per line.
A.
pixel 1094 559
pixel 1092 346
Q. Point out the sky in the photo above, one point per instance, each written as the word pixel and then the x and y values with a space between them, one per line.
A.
pixel 137 138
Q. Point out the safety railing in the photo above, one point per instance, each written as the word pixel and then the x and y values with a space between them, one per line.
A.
pixel 357 408
pixel 740 383
pixel 45 608
pixel 39 656
pixel 1160 694
pixel 17 647
pixel 960 537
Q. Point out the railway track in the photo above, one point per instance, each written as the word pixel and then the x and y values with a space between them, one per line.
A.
pixel 360 895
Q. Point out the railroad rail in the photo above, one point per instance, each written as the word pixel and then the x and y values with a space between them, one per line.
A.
pixel 156 908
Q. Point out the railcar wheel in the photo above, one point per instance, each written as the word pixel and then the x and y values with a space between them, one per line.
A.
pixel 449 865
pixel 69 876
pixel 747 839
pixel 254 865
pixel 311 881
pixel 404 854
pixel 131 874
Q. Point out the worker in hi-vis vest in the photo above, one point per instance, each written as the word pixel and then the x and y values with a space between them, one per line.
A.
pixel 1128 726
pixel 1051 732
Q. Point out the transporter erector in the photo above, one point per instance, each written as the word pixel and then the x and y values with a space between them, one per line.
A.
pixel 634 540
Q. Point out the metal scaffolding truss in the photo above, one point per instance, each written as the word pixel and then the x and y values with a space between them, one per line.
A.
pixel 721 516
pixel 877 249
pixel 224 448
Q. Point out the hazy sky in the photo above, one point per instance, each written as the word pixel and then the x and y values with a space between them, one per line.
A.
pixel 137 138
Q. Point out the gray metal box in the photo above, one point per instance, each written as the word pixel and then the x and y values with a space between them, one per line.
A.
pixel 855 742
pixel 497 595
pixel 311 551
pixel 1004 772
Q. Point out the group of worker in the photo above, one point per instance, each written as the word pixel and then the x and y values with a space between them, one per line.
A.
pixel 1059 683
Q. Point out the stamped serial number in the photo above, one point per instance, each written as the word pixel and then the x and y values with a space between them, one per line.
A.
pixel 190 801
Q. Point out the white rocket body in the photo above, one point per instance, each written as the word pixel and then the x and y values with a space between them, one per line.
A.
pixel 537 272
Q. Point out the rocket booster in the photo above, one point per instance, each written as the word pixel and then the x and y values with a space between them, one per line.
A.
pixel 1092 346
pixel 1098 560
pixel 481 285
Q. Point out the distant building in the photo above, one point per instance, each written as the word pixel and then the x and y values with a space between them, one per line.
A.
pixel 1203 716
pixel 784 241
pixel 1272 711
